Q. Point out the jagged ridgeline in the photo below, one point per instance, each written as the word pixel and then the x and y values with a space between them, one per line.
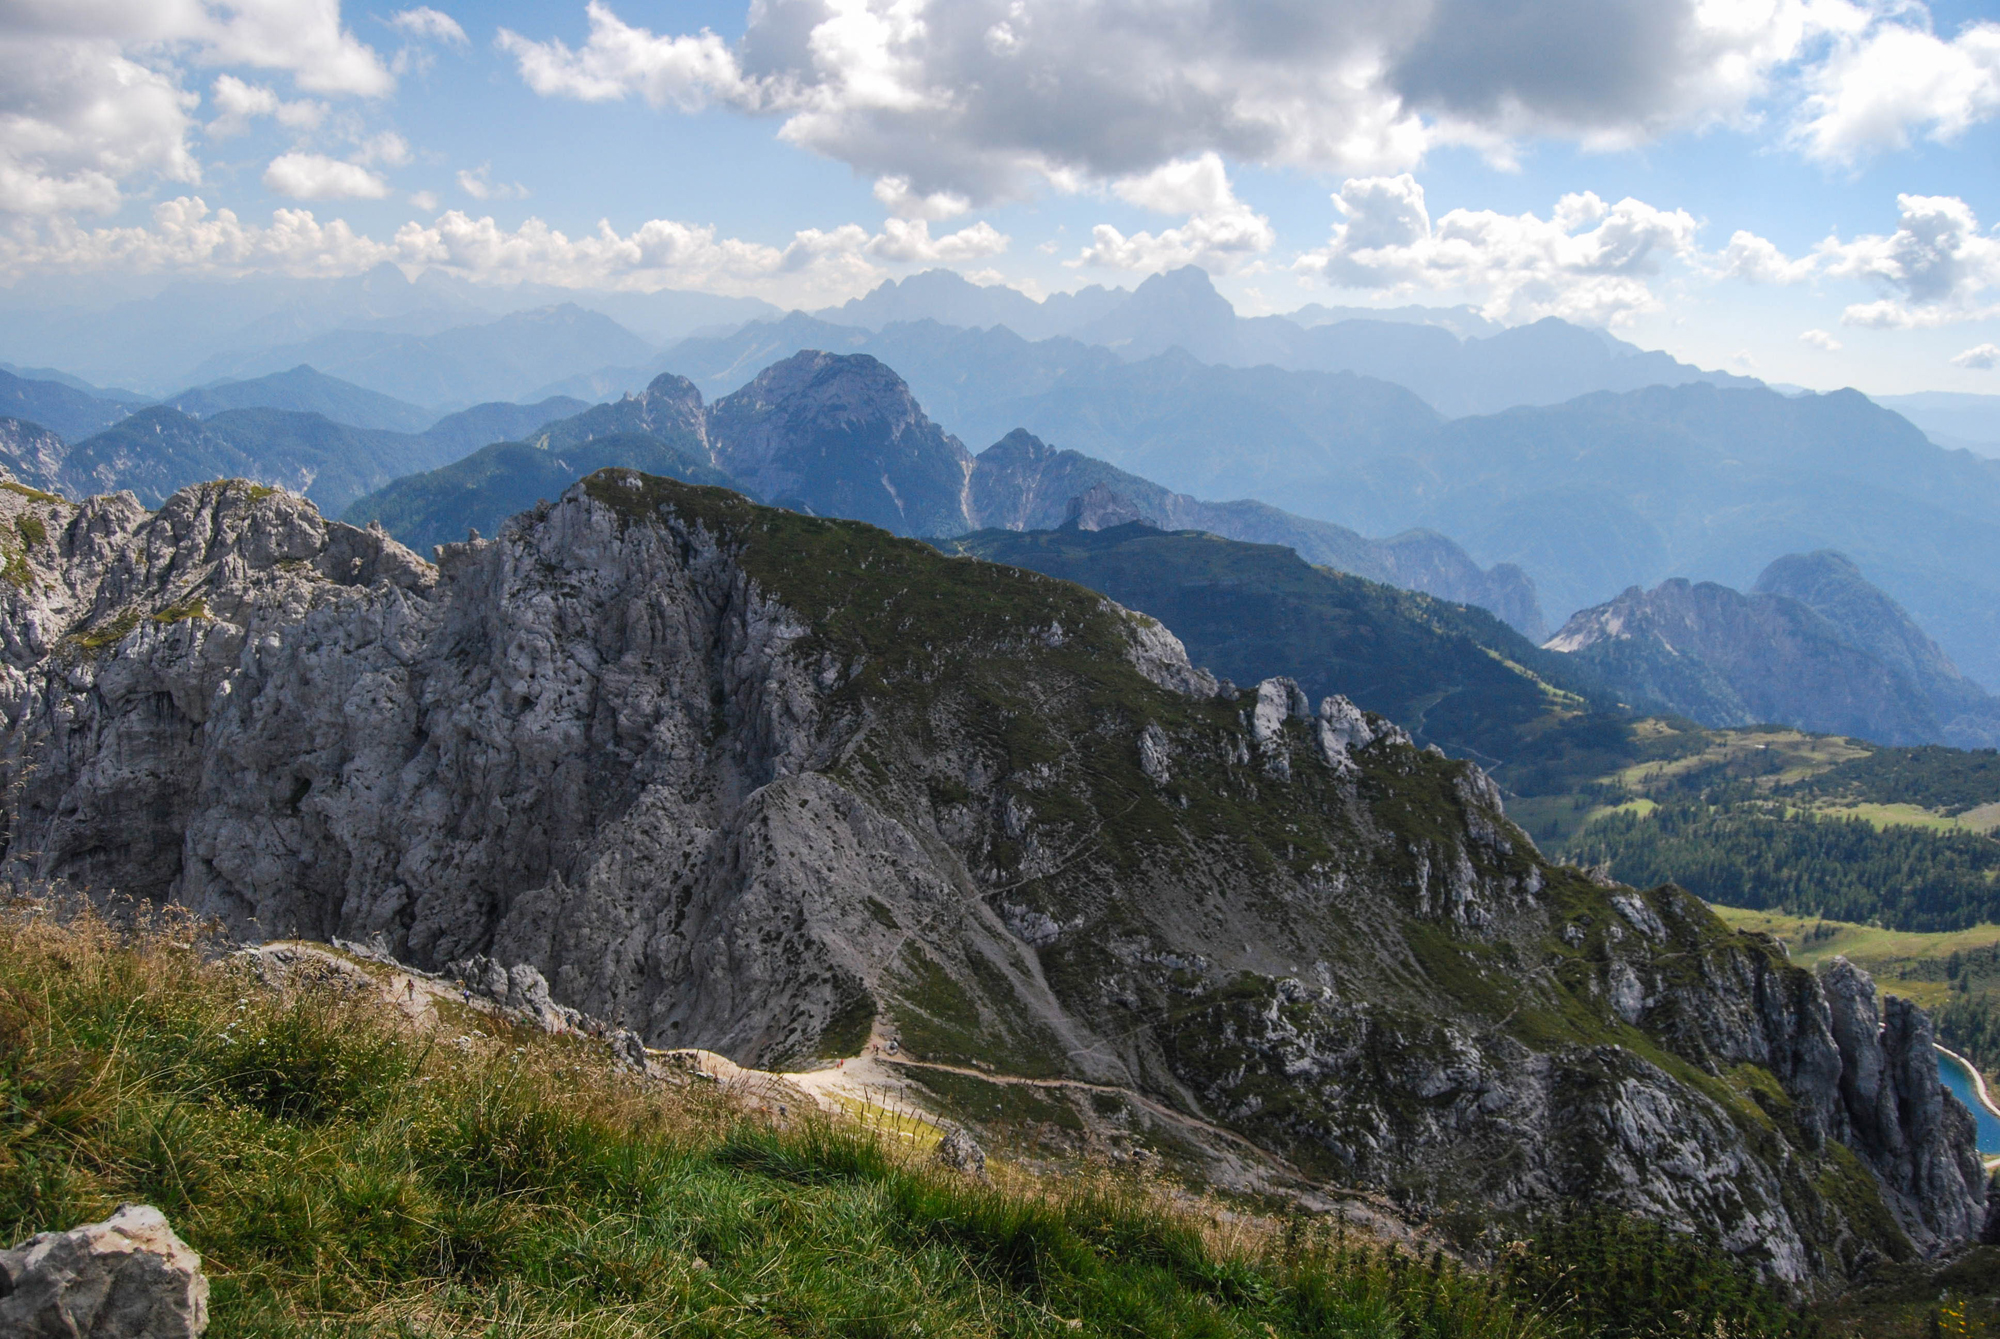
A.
pixel 771 784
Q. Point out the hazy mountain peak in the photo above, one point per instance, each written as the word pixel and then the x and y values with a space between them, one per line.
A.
pixel 1815 645
pixel 841 435
pixel 1832 585
pixel 305 389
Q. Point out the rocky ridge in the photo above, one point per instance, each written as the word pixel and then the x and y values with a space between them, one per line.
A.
pixel 773 785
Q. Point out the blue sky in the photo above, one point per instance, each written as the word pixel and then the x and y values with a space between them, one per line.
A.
pixel 1800 189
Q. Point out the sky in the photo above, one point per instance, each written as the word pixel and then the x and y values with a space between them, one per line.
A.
pixel 1802 190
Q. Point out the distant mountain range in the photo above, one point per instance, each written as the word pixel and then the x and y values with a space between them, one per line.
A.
pixel 157 341
pixel 842 435
pixel 59 407
pixel 1587 497
pixel 1952 418
pixel 304 389
pixel 159 450
pixel 498 360
pixel 1813 645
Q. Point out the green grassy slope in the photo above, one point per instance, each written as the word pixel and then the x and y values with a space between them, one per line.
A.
pixel 343 1175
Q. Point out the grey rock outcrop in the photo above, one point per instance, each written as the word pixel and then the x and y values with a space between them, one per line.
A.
pixel 128 1277
pixel 960 1152
pixel 1897 1116
pixel 1100 508
pixel 765 784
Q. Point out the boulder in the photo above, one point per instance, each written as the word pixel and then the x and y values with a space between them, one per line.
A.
pixel 128 1277
pixel 960 1152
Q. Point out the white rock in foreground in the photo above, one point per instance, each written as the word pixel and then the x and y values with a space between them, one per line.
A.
pixel 128 1277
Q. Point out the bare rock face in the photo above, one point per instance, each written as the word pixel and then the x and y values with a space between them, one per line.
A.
pixel 750 781
pixel 1896 1114
pixel 128 1277
pixel 123 630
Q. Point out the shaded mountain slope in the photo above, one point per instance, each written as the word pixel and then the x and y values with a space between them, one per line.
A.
pixel 1814 646
pixel 70 413
pixel 31 454
pixel 1021 483
pixel 775 785
pixel 1867 619
pixel 495 482
pixel 1452 675
pixel 467 430
pixel 159 450
pixel 842 437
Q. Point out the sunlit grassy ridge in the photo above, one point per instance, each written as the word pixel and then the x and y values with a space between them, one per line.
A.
pixel 340 1174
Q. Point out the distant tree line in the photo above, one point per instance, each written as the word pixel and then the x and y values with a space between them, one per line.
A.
pixel 1931 777
pixel 1756 855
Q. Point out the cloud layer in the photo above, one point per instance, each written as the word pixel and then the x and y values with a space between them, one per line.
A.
pixel 990 99
pixel 185 234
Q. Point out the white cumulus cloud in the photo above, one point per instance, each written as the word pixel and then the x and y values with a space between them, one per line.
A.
pixel 1588 261
pixel 314 176
pixel 1980 357
pixel 92 92
pixel 1820 339
pixel 687 72
pixel 1221 230
pixel 815 267
pixel 1758 260
pixel 909 241
pixel 238 103
pixel 1879 87
pixel 1938 267
pixel 895 195
pixel 77 118
pixel 477 183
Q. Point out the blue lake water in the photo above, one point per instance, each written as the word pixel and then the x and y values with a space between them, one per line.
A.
pixel 1959 1079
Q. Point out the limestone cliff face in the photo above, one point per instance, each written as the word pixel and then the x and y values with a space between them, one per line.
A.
pixel 770 784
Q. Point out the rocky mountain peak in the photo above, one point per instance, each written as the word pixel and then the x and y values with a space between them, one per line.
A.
pixel 1832 586
pixel 841 435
